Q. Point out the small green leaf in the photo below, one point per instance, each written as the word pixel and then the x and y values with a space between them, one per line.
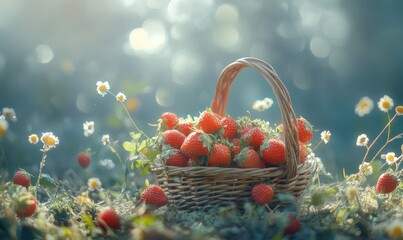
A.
pixel 147 183
pixel 129 146
pixel 145 170
pixel 47 182
pixel 342 216
pixel 88 221
pixel 152 154
pixel 135 136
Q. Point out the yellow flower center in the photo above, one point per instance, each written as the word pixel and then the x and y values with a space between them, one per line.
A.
pixel 396 232
pixel 391 158
pixel 399 110
pixel 121 99
pixel 2 131
pixel 33 138
pixel 386 104
pixel 363 104
pixel 102 88
pixel 49 140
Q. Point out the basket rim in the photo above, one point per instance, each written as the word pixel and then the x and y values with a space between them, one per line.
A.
pixel 272 171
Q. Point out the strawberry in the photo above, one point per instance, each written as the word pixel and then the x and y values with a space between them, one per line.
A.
pixel 25 205
pixel 195 145
pixel 273 152
pixel 108 217
pixel 154 195
pixel 209 122
pixel 229 125
pixel 387 183
pixel 262 193
pixel 255 137
pixel 236 142
pixel 294 225
pixel 22 178
pixel 84 159
pixel 220 156
pixel 167 121
pixel 305 130
pixel 176 158
pixel 236 149
pixel 174 138
pixel 303 153
pixel 185 128
pixel 249 158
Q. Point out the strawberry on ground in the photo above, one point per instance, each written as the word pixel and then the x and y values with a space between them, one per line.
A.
pixel 273 151
pixel 209 122
pixel 230 129
pixel 254 137
pixel 84 159
pixel 167 121
pixel 305 130
pixel 174 138
pixel 185 128
pixel 25 205
pixel 176 158
pixel 220 156
pixel 262 193
pixel 387 183
pixel 294 225
pixel 22 178
pixel 108 217
pixel 249 158
pixel 154 195
pixel 195 145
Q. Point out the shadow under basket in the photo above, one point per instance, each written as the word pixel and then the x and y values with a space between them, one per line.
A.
pixel 199 188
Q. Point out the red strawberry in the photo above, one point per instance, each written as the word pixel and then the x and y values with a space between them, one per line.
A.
pixel 303 153
pixel 185 128
pixel 236 149
pixel 167 121
pixel 249 158
pixel 84 159
pixel 262 193
pixel 229 125
pixel 273 152
pixel 236 142
pixel 305 130
pixel 255 137
pixel 174 138
pixel 176 158
pixel 25 205
pixel 294 225
pixel 22 178
pixel 194 145
pixel 108 217
pixel 154 195
pixel 220 156
pixel 209 122
pixel 387 183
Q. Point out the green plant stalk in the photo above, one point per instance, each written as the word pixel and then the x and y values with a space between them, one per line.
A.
pixel 387 142
pixel 130 117
pixel 387 126
pixel 120 161
pixel 42 164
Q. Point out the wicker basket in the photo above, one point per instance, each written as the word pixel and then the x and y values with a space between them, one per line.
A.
pixel 199 188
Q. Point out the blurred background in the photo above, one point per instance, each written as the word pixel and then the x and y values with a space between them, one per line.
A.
pixel 166 55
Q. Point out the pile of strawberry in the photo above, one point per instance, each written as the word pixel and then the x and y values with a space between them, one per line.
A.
pixel 212 140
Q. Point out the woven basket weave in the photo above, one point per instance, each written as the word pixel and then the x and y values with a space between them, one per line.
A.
pixel 198 188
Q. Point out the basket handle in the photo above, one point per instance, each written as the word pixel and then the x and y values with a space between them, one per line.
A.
pixel 289 119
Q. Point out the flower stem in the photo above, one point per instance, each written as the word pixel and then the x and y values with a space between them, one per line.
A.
pixel 42 164
pixel 387 126
pixel 389 141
